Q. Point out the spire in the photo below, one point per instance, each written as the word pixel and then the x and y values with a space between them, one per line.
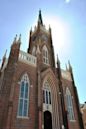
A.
pixel 49 29
pixel 19 40
pixel 40 18
pixel 58 62
pixel 58 68
pixel 15 38
pixel 70 67
pixel 29 46
pixel 66 66
pixel 50 32
pixel 30 31
pixel 16 44
pixel 71 72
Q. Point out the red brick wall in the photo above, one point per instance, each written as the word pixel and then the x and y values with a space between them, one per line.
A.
pixel 12 121
pixel 72 124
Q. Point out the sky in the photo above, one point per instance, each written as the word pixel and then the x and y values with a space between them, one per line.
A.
pixel 67 19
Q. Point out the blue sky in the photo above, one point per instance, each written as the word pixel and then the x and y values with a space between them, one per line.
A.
pixel 18 16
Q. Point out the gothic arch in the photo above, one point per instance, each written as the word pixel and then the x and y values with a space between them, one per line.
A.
pixel 21 75
pixel 47 93
pixel 45 54
pixel 24 93
pixel 50 78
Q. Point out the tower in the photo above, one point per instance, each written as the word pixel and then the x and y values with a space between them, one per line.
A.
pixel 34 93
pixel 39 39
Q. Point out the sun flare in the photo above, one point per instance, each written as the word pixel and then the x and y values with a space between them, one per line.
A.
pixel 60 32
pixel 67 1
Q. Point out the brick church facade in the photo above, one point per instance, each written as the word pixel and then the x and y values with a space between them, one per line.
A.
pixel 34 92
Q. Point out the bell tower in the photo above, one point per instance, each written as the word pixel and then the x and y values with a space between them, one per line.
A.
pixel 40 41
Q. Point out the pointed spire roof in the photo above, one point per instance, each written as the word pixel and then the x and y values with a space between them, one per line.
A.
pixel 15 39
pixel 70 67
pixel 66 66
pixel 19 40
pixel 40 18
pixel 58 61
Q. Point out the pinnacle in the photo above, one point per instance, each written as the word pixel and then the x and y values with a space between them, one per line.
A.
pixel 40 18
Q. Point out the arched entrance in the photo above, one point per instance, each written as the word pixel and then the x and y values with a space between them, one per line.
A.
pixel 47 120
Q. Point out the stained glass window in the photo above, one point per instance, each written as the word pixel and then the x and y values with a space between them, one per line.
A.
pixel 23 104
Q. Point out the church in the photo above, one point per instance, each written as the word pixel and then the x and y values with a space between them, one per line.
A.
pixel 35 93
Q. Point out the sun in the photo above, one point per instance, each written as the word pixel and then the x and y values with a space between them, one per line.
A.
pixel 67 1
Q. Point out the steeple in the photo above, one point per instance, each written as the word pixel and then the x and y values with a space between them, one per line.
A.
pixel 40 18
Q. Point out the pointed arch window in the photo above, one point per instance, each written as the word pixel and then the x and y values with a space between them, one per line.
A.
pixel 23 104
pixel 46 93
pixel 45 55
pixel 69 105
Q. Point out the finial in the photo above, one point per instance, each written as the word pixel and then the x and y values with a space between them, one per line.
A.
pixel 50 32
pixel 58 61
pixel 19 38
pixel 39 11
pixel 49 28
pixel 15 39
pixel 69 63
pixel 57 58
pixel 30 30
pixel 70 67
pixel 66 66
pixel 40 18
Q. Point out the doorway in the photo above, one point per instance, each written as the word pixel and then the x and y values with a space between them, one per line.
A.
pixel 47 120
